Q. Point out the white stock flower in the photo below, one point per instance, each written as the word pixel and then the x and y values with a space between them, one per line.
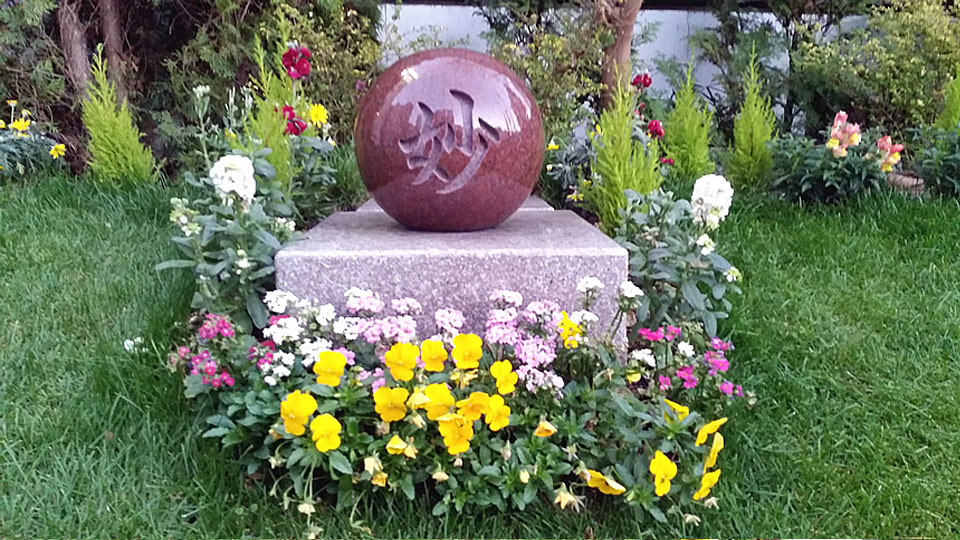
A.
pixel 630 291
pixel 326 314
pixel 347 327
pixel 285 358
pixel 584 318
pixel 270 380
pixel 711 200
pixel 706 244
pixel 589 284
pixel 234 174
pixel 644 356
pixel 310 348
pixel 281 371
pixel 284 330
pixel 685 349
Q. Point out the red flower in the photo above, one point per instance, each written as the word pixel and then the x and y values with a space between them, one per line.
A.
pixel 656 129
pixel 297 62
pixel 666 161
pixel 295 126
pixel 642 80
pixel 288 112
pixel 642 105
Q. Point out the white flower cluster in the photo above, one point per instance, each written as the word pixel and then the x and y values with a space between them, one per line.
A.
pixel 644 356
pixel 706 245
pixel 686 349
pixel 278 301
pixel 630 291
pixel 280 370
pixel 234 175
pixel 133 345
pixel 589 285
pixel 711 200
pixel 284 330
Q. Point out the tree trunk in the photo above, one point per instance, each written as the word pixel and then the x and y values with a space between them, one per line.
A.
pixel 74 45
pixel 113 46
pixel 619 16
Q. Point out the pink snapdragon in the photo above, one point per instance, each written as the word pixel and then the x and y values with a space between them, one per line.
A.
pixel 889 153
pixel 843 135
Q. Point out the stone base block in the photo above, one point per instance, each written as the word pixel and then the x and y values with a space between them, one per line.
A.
pixel 540 254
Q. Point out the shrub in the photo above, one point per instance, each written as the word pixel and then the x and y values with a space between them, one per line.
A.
pixel 118 156
pixel 890 74
pixel 673 259
pixel 623 161
pixel 541 409
pixel 950 115
pixel 936 159
pixel 687 139
pixel 751 162
pixel 333 183
pixel 840 169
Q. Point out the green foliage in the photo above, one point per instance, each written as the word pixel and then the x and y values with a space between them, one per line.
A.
pixel 936 158
pixel 267 125
pixel 229 240
pixel 622 162
pixel 890 74
pixel 950 115
pixel 806 172
pixel 118 156
pixel 561 67
pixel 751 162
pixel 687 139
pixel 674 261
pixel 31 64
pixel 334 185
pixel 25 156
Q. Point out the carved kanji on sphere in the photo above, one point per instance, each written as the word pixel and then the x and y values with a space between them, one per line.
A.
pixel 449 140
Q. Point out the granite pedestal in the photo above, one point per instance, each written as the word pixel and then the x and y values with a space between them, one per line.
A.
pixel 542 254
pixel 531 203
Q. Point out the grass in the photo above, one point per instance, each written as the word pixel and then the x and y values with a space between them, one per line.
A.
pixel 848 328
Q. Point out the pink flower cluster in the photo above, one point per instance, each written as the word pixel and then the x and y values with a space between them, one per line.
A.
pixel 533 334
pixel 363 302
pixel 262 354
pixel 204 365
pixel 843 135
pixel 215 325
pixel 729 389
pixel 449 321
pixel 660 334
pixel 394 329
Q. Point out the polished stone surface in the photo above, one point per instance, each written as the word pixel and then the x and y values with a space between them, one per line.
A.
pixel 532 203
pixel 540 254
pixel 449 140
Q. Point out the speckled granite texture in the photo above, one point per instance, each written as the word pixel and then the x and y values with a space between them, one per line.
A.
pixel 540 254
pixel 532 203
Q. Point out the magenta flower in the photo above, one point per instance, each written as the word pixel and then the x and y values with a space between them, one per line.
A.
pixel 727 388
pixel 665 382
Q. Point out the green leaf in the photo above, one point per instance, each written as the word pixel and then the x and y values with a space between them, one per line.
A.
pixel 489 470
pixel 177 263
pixel 267 238
pixel 215 432
pixel 340 463
pixel 440 508
pixel 256 310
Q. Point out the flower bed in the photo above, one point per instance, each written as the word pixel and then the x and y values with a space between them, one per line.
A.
pixel 541 408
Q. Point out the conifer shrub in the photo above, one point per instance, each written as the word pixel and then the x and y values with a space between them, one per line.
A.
pixel 751 162
pixel 687 139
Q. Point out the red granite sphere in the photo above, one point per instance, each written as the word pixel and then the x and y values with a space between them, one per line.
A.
pixel 449 140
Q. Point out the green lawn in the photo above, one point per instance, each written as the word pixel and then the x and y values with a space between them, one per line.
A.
pixel 848 329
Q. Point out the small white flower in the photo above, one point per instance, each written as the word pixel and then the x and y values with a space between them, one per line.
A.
pixel 347 327
pixel 310 348
pixel 644 356
pixel 706 244
pixel 685 349
pixel 278 301
pixel 285 358
pixel 284 330
pixel 129 345
pixel 711 200
pixel 326 314
pixel 630 291
pixel 201 90
pixel 234 175
pixel 243 263
pixel 733 274
pixel 270 380
pixel 306 507
pixel 583 318
pixel 281 372
pixel 589 284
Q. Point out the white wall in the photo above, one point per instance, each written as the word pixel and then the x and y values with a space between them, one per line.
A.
pixel 453 23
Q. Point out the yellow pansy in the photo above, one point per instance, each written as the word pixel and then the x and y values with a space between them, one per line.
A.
pixel 390 403
pixel 457 432
pixel 552 145
pixel 506 378
pixel 714 452
pixel 474 407
pixel 397 446
pixel 433 354
pixel 569 332
pixel 318 114
pixel 498 414
pixel 417 399
pixel 379 479
pixel 57 151
pixel 463 377
pixel 326 432
pixel 440 476
pixel 607 486
pixel 467 351
pixel 440 400
pixel 564 498
pixel 709 429
pixel 3 124
pixel 372 465
pixel 329 368
pixel 682 412
pixel 544 429
pixel 663 471
pixel 401 359
pixel 707 481
pixel 295 410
